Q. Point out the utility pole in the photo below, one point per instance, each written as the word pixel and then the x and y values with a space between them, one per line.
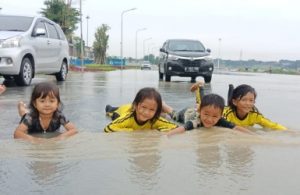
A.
pixel 81 42
pixel 136 42
pixel 219 53
pixel 121 43
pixel 87 30
pixel 144 45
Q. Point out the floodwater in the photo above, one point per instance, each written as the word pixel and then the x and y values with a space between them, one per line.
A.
pixel 216 161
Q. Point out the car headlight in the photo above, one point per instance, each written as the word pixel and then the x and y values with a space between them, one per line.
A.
pixel 172 57
pixel 208 59
pixel 11 42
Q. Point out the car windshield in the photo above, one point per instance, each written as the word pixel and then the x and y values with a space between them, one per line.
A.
pixel 186 45
pixel 15 23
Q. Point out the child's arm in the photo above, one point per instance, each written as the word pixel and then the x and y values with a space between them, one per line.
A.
pixel 244 130
pixel 189 125
pixel 196 86
pixel 266 123
pixel 177 130
pixel 21 133
pixel 2 88
pixel 166 108
pixel 225 123
pixel 70 130
pixel 120 124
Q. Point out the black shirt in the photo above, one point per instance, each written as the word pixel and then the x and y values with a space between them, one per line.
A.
pixel 189 125
pixel 34 125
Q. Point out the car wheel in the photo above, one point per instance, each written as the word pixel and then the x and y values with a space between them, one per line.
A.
pixel 25 76
pixel 62 74
pixel 168 78
pixel 207 79
pixel 193 79
pixel 160 75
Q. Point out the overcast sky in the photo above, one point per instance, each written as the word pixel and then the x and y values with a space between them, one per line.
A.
pixel 239 29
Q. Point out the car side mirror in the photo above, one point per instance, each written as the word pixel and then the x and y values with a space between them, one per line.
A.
pixel 39 32
pixel 208 50
pixel 162 50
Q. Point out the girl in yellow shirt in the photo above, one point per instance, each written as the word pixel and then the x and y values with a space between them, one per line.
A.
pixel 242 111
pixel 142 114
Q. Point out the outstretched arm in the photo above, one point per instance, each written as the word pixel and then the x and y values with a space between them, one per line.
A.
pixel 70 130
pixel 266 123
pixel 2 88
pixel 177 130
pixel 21 133
pixel 166 108
pixel 244 130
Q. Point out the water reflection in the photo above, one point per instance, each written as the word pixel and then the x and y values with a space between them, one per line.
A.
pixel 44 172
pixel 221 158
pixel 208 151
pixel 47 166
pixel 240 159
pixel 33 168
pixel 144 158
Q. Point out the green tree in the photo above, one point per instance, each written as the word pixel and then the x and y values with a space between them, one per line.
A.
pixel 63 14
pixel 77 45
pixel 100 44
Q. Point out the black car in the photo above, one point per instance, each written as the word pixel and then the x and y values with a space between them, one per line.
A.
pixel 185 58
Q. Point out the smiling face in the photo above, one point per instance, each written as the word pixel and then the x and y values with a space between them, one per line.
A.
pixel 210 115
pixel 244 105
pixel 47 105
pixel 146 110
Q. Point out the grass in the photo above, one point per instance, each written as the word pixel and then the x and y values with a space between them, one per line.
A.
pixel 272 71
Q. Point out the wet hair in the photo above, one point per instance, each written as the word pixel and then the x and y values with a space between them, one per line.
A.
pixel 212 100
pixel 42 90
pixel 148 93
pixel 238 93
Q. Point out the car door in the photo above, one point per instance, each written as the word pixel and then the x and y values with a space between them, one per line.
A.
pixel 54 48
pixel 40 45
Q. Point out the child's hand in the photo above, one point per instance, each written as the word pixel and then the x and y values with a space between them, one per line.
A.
pixel 244 130
pixel 58 138
pixel 2 88
pixel 196 86
pixel 37 140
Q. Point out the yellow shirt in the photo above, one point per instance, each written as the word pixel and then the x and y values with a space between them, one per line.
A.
pixel 254 117
pixel 128 123
pixel 199 94
pixel 122 110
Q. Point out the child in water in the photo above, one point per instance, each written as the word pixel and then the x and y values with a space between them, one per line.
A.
pixel 142 114
pixel 242 111
pixel 209 114
pixel 44 115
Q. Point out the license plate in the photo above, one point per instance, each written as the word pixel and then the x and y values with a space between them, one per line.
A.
pixel 191 69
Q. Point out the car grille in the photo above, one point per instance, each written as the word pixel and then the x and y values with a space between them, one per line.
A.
pixel 191 63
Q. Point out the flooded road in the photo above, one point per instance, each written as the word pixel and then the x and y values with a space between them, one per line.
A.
pixel 217 161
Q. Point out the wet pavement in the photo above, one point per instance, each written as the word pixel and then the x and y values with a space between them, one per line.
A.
pixel 85 95
pixel 217 161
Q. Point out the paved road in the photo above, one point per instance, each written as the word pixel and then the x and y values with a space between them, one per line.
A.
pixel 85 95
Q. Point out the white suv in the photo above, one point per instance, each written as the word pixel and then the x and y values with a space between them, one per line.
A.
pixel 146 65
pixel 30 45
